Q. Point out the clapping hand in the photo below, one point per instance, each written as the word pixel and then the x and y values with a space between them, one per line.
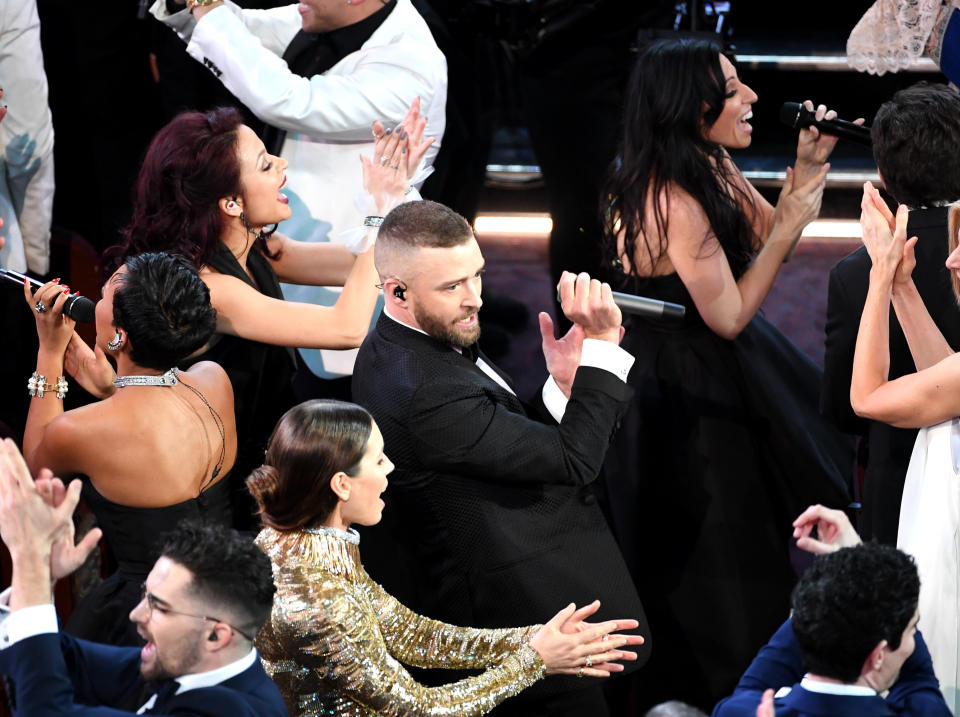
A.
pixel 414 125
pixel 834 530
pixel 883 232
pixel 36 524
pixel 562 355
pixel 65 556
pixel 569 645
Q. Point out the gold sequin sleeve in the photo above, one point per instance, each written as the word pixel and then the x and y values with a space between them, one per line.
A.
pixel 422 642
pixel 352 636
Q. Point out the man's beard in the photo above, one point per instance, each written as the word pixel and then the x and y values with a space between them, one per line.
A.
pixel 448 333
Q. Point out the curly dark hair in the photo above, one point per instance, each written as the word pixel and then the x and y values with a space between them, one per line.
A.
pixel 677 89
pixel 849 601
pixel 916 142
pixel 228 571
pixel 164 306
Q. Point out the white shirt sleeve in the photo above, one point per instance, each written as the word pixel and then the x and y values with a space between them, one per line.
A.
pixel 608 356
pixel 596 354
pixel 26 622
pixel 244 55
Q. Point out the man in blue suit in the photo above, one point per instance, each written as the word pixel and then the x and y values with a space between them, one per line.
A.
pixel 203 603
pixel 852 637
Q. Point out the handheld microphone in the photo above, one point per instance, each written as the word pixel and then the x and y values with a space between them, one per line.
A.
pixel 794 114
pixel 78 308
pixel 649 308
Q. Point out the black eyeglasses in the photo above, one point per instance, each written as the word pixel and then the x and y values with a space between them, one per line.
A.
pixel 154 603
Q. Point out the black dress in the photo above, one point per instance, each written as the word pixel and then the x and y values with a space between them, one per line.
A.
pixel 261 375
pixel 133 534
pixel 721 449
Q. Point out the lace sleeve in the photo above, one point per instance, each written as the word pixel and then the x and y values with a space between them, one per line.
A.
pixel 892 34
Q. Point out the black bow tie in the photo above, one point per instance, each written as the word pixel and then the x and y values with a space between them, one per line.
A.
pixel 471 352
pixel 165 691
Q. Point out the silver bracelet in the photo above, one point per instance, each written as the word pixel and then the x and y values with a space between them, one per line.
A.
pixel 372 221
pixel 37 386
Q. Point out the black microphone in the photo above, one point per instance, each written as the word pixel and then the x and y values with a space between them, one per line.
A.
pixel 649 308
pixel 794 114
pixel 78 308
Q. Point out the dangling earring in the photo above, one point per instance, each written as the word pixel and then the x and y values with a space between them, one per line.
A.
pixel 261 235
pixel 116 343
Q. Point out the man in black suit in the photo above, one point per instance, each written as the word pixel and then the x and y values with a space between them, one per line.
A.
pixel 916 140
pixel 493 519
pixel 203 603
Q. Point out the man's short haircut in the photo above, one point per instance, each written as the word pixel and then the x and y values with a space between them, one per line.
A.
pixel 916 143
pixel 849 601
pixel 229 572
pixel 416 225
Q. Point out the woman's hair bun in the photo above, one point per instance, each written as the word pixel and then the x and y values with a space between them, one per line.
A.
pixel 262 484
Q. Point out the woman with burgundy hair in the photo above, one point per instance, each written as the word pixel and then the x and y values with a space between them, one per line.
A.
pixel 209 190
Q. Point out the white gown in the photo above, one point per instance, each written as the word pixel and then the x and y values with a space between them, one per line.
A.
pixel 930 532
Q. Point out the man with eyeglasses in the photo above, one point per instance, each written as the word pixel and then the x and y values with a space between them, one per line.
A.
pixel 204 601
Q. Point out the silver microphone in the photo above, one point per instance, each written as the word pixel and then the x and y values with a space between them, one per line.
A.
pixel 649 308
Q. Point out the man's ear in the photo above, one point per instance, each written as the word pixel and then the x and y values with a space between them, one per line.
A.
pixel 232 206
pixel 218 636
pixel 394 292
pixel 875 659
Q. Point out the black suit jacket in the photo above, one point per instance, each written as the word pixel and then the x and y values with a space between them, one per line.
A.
pixel 56 674
pixel 889 447
pixel 491 519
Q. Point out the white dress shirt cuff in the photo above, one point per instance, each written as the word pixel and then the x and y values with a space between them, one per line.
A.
pixel 553 399
pixel 608 356
pixel 26 622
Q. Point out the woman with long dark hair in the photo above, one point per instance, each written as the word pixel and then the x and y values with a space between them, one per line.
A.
pixel 160 448
pixel 209 190
pixel 723 443
pixel 336 642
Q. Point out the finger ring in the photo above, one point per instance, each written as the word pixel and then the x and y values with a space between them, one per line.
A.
pixel 580 672
pixel 604 638
pixel 589 661
pixel 40 307
pixel 383 161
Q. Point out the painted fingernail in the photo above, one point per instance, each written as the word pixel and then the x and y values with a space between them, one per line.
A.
pixel 389 131
pixel 403 134
pixel 57 280
pixel 76 293
pixel 403 150
pixel 398 128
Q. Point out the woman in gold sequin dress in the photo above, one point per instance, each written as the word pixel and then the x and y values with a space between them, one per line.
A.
pixel 335 639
